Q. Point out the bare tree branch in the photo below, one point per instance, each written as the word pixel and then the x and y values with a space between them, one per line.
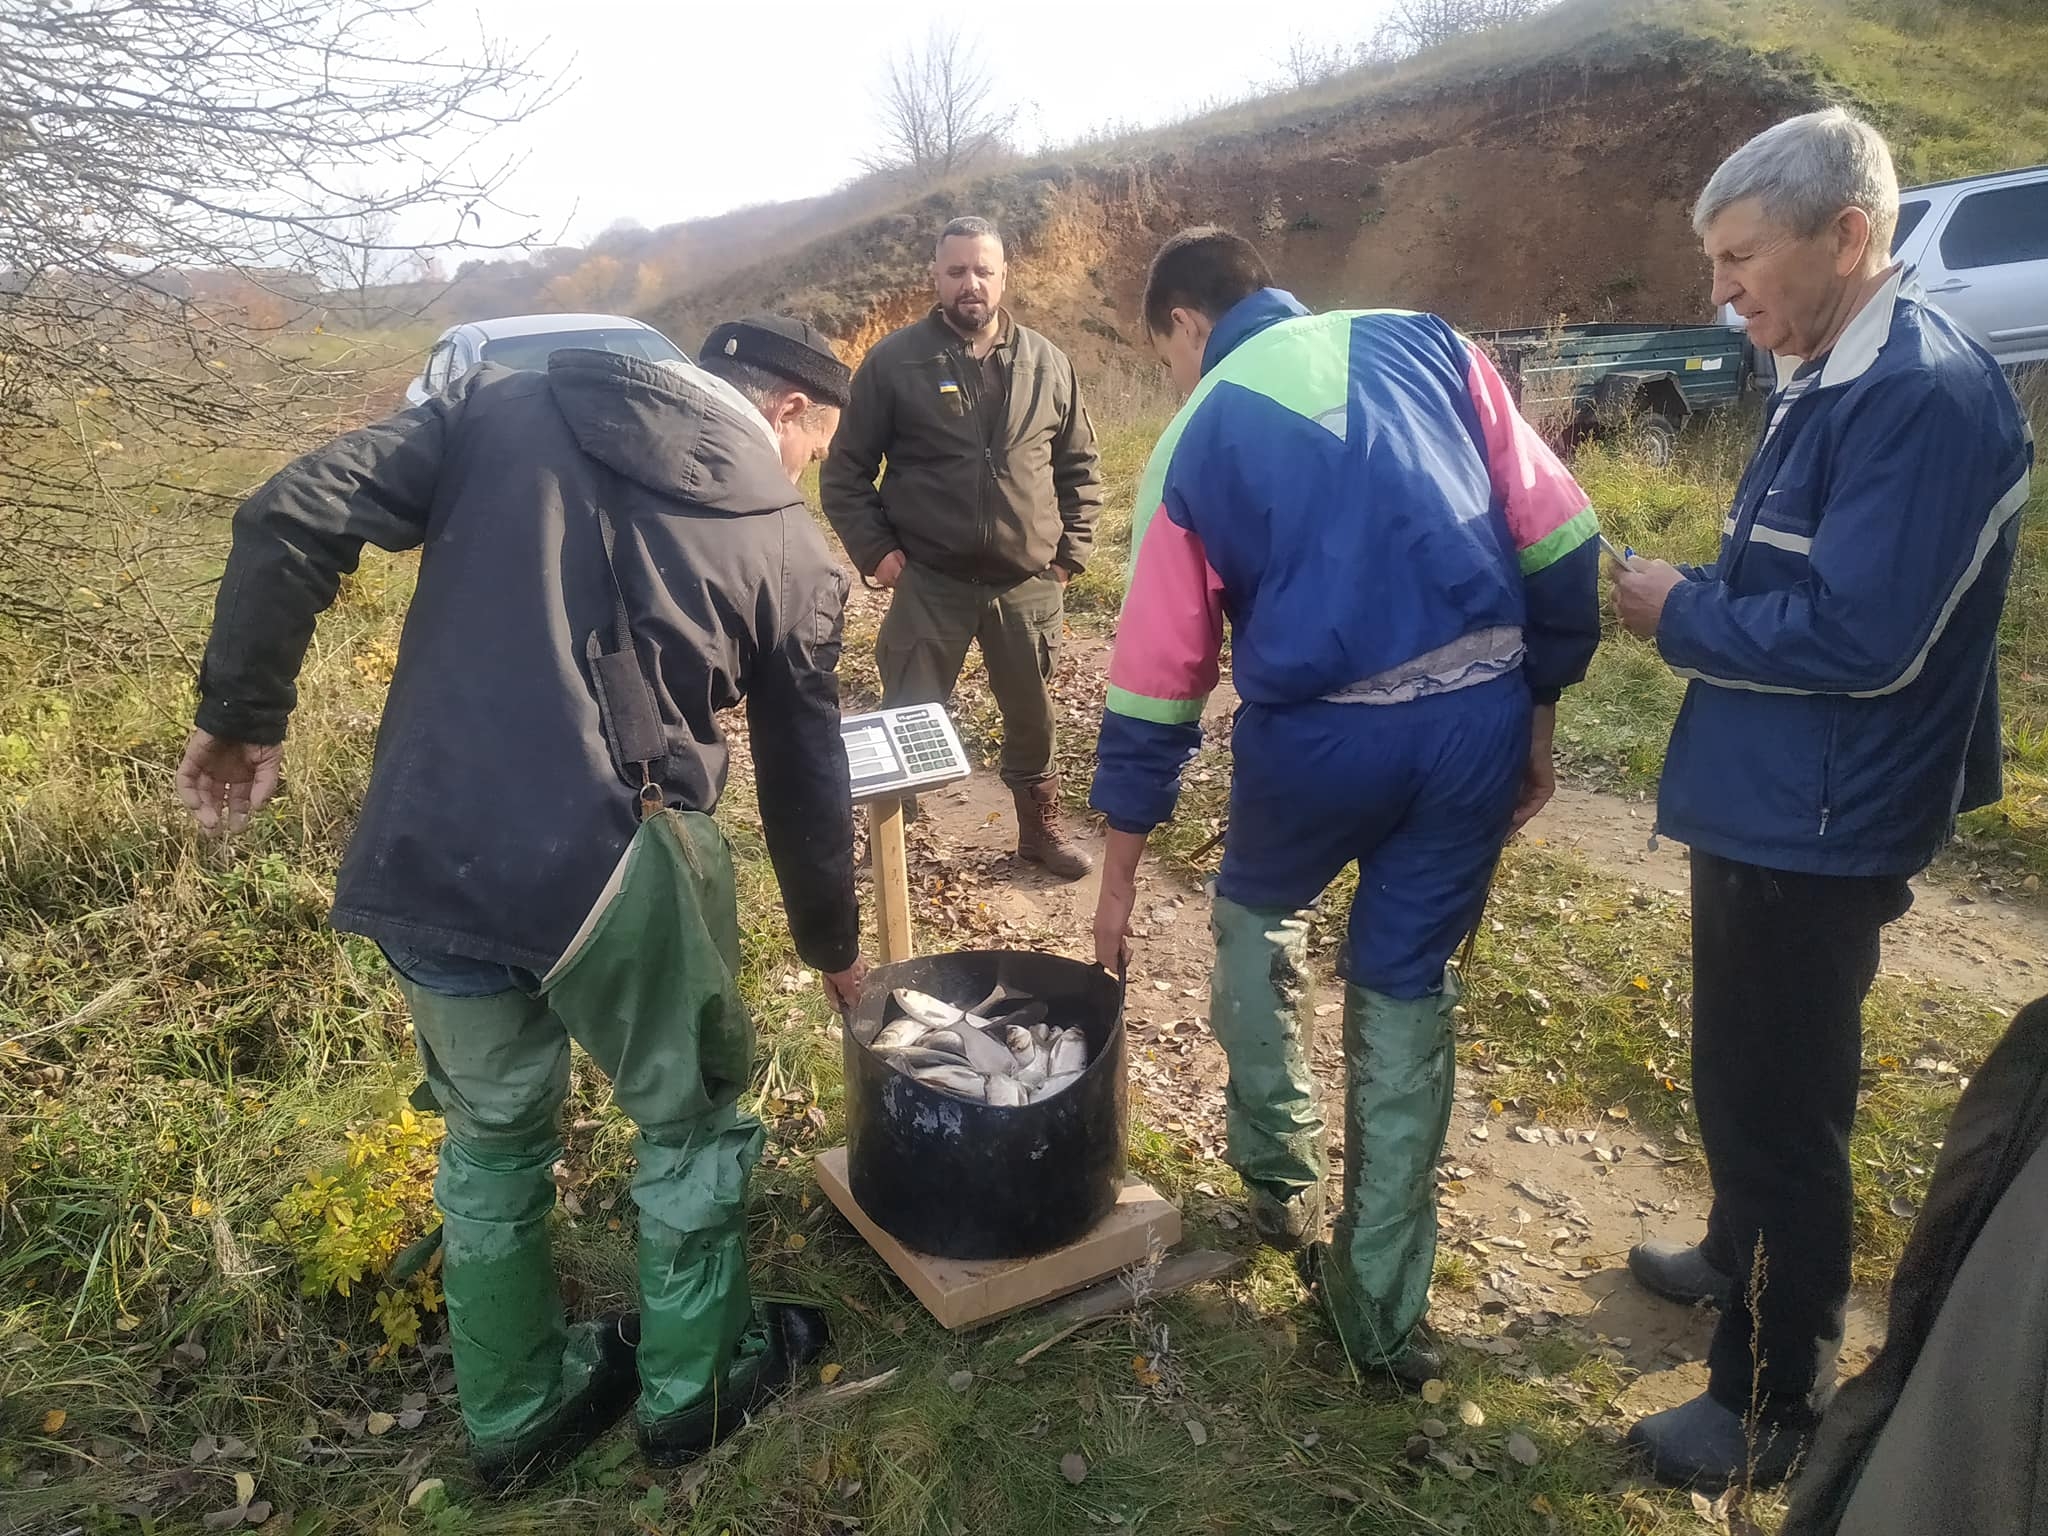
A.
pixel 167 167
pixel 1413 25
pixel 938 111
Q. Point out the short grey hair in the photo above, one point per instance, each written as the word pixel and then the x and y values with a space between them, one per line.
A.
pixel 970 228
pixel 1806 171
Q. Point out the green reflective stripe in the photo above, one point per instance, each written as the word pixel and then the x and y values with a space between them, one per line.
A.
pixel 1303 365
pixel 1136 706
pixel 1560 541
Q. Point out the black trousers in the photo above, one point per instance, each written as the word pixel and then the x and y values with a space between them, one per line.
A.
pixel 1781 965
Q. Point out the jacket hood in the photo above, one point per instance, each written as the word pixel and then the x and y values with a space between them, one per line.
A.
pixel 672 428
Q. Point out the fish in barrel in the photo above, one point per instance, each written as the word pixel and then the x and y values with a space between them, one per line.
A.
pixel 1001 1052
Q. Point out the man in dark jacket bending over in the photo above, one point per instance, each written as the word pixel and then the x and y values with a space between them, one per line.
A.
pixel 547 697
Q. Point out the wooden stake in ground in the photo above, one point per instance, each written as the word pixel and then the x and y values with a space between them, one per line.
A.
pixel 892 879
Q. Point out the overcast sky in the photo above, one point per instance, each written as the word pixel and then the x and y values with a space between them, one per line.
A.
pixel 682 108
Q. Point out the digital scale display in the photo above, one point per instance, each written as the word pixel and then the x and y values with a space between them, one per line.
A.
pixel 894 752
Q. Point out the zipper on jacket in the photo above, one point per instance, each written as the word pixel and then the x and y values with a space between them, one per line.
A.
pixel 1827 769
pixel 968 367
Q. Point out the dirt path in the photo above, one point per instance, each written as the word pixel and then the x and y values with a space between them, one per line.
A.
pixel 1543 1215
pixel 1990 945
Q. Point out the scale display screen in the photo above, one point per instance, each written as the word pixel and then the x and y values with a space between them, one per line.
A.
pixel 894 752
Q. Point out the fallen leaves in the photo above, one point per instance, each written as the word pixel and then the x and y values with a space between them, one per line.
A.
pixel 218 1448
pixel 1470 1414
pixel 53 1421
pixel 247 1510
pixel 960 1381
pixel 1197 1432
pixel 1074 1468
pixel 381 1423
pixel 827 1374
pixel 1433 1391
pixel 1523 1449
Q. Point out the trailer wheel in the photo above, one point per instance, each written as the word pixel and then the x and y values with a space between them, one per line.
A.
pixel 1656 437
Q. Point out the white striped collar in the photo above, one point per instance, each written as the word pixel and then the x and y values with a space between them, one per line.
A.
pixel 1856 349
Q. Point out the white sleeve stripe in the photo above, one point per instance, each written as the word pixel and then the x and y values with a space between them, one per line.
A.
pixel 2002 512
pixel 1777 538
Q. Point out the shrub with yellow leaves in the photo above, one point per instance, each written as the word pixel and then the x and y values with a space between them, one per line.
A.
pixel 346 1223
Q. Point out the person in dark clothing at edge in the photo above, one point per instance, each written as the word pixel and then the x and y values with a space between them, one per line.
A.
pixel 1947 1429
pixel 1843 708
pixel 613 551
pixel 986 510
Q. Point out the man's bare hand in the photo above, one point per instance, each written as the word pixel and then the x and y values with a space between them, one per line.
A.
pixel 1113 924
pixel 1640 588
pixel 890 571
pixel 1539 776
pixel 842 988
pixel 224 782
pixel 1121 852
pixel 1060 573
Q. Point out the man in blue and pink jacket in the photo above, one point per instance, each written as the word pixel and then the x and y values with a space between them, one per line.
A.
pixel 1410 579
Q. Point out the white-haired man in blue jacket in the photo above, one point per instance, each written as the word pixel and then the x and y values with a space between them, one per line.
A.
pixel 1843 709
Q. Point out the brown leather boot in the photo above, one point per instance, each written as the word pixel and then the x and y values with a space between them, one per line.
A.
pixel 1040 839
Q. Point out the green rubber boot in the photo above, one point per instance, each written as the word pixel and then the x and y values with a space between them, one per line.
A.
pixel 1375 1276
pixel 534 1392
pixel 1261 1005
pixel 695 1305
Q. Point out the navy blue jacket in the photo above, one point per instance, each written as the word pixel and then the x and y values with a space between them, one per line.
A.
pixel 1843 647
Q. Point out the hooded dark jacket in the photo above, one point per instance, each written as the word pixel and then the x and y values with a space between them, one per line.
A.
pixel 497 807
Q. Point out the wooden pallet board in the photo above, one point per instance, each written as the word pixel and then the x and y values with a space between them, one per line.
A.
pixel 963 1292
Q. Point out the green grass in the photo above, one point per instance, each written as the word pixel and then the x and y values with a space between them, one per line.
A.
pixel 1955 87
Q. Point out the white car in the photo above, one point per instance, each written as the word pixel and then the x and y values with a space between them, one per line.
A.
pixel 528 341
pixel 1979 248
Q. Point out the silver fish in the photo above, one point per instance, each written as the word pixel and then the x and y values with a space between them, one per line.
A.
pixel 984 1053
pixel 1053 1085
pixel 1021 1045
pixel 964 1081
pixel 926 1009
pixel 898 1036
pixel 1024 1017
pixel 1033 1075
pixel 1069 1052
pixel 947 1040
pixel 1006 1092
pixel 997 997
pixel 1044 1034
pixel 914 1056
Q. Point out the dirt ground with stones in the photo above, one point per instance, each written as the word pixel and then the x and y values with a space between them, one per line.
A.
pixel 1545 1213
